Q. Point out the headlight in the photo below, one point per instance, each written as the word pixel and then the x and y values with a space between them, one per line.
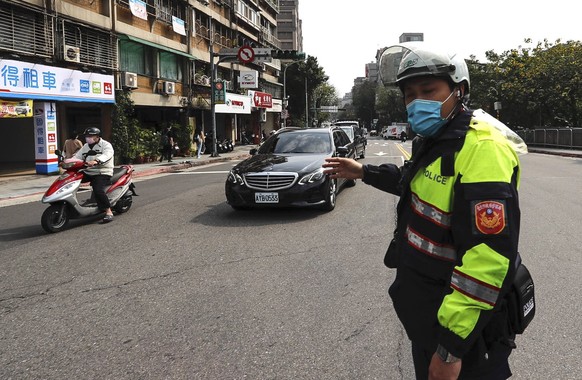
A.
pixel 312 177
pixel 234 178
pixel 67 187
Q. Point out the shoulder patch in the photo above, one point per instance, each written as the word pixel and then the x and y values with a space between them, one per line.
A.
pixel 490 217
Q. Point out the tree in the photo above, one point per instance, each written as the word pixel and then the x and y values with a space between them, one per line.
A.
pixel 364 100
pixel 298 76
pixel 324 95
pixel 390 105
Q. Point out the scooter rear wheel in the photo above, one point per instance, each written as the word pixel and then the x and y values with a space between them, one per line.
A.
pixel 55 218
pixel 123 205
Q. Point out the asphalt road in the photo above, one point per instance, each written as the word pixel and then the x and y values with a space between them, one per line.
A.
pixel 184 287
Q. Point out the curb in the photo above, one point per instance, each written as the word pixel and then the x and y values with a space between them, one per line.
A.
pixel 187 164
pixel 555 153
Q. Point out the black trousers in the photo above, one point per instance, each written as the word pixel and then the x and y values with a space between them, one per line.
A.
pixel 166 152
pixel 99 183
pixel 492 364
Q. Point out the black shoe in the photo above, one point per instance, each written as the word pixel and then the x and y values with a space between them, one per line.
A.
pixel 107 219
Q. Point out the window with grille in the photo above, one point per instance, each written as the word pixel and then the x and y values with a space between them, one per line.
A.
pixel 37 38
pixel 96 48
pixel 165 9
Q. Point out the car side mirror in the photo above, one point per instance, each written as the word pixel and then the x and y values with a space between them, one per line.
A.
pixel 342 151
pixel 253 151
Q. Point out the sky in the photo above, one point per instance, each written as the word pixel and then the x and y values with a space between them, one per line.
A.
pixel 345 35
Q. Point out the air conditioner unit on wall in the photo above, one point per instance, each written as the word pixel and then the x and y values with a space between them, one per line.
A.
pixel 129 80
pixel 71 53
pixel 169 88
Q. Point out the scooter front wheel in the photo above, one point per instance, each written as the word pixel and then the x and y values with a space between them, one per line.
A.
pixel 55 218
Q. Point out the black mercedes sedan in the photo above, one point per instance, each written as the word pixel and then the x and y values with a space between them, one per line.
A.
pixel 285 171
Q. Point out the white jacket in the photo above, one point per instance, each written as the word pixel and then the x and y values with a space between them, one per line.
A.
pixel 104 154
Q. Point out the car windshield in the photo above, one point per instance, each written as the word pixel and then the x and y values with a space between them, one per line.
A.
pixel 297 142
pixel 349 131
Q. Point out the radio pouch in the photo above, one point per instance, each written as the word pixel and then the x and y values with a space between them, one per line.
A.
pixel 521 300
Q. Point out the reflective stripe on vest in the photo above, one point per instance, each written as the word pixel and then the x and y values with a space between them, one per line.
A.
pixel 431 213
pixel 471 287
pixel 424 245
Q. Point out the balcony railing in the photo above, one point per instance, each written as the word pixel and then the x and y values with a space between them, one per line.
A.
pixel 274 4
pixel 268 38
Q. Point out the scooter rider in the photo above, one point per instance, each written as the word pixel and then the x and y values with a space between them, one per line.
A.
pixel 99 168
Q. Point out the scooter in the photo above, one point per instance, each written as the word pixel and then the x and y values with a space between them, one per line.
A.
pixel 62 194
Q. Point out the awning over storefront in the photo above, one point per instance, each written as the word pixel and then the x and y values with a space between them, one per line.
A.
pixel 155 45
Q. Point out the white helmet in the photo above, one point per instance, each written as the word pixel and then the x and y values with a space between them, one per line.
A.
pixel 413 59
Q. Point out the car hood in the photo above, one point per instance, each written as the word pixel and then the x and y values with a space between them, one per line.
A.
pixel 298 163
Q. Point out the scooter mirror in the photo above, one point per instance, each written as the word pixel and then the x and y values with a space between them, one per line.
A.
pixel 58 152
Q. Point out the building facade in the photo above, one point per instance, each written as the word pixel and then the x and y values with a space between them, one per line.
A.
pixel 73 57
pixel 289 29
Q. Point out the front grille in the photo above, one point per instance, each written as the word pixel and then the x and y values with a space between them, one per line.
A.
pixel 270 181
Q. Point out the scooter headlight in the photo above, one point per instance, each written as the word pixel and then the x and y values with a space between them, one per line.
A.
pixel 65 188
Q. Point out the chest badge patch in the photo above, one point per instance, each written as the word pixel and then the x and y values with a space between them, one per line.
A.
pixel 490 217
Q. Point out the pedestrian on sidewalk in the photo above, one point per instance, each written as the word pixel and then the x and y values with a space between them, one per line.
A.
pixel 200 139
pixel 455 246
pixel 167 144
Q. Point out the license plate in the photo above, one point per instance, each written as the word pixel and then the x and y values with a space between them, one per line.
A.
pixel 266 197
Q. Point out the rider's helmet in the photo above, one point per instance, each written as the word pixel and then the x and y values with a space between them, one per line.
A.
pixel 92 131
pixel 413 59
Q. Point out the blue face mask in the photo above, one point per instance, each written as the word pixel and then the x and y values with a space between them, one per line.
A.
pixel 425 118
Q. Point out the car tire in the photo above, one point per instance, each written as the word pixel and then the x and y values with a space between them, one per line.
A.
pixel 351 182
pixel 330 195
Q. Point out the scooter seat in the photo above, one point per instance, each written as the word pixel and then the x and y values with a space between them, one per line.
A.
pixel 117 173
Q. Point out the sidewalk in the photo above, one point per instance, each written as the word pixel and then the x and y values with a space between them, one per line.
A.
pixel 26 186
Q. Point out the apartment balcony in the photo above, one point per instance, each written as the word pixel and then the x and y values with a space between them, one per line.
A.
pixel 266 38
pixel 273 4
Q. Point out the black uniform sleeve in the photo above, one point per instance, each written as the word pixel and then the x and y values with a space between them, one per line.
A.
pixel 385 177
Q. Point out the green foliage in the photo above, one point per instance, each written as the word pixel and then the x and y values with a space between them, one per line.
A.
pixel 364 99
pixel 538 86
pixel 324 95
pixel 298 76
pixel 390 106
pixel 183 136
pixel 126 131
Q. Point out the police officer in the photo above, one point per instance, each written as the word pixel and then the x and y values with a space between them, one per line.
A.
pixel 458 219
pixel 98 155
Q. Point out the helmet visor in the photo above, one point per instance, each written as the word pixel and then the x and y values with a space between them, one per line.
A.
pixel 401 62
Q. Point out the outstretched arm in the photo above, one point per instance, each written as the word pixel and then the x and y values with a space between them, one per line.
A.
pixel 339 167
